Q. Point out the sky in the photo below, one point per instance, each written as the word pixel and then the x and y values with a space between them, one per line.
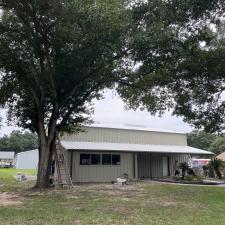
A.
pixel 110 111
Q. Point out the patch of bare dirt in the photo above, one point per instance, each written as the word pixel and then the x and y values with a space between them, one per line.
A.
pixel 95 190
pixel 9 199
pixel 122 191
pixel 113 189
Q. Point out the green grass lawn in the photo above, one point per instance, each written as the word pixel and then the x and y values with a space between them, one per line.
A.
pixel 9 172
pixel 8 182
pixel 138 203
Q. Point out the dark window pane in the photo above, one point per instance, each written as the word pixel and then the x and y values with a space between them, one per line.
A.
pixel 95 159
pixel 106 159
pixel 115 159
pixel 84 159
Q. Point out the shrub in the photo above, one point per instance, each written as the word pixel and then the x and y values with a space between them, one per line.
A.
pixel 190 177
pixel 184 167
pixel 206 170
pixel 217 165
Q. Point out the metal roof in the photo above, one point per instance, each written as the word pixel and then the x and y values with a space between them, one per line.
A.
pixel 102 146
pixel 7 155
pixel 133 127
pixel 30 151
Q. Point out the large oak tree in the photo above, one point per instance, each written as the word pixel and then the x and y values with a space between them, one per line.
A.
pixel 56 56
pixel 182 66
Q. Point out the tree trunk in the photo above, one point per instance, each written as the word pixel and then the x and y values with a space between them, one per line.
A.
pixel 46 145
pixel 44 167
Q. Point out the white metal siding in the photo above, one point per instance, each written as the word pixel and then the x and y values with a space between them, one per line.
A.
pixel 150 165
pixel 144 160
pixel 157 165
pixel 97 134
pixel 102 173
pixel 27 160
pixel 165 166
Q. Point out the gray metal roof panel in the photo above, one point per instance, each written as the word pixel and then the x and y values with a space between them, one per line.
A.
pixel 7 155
pixel 101 146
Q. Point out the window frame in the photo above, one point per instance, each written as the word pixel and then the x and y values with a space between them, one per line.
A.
pixel 81 164
pixel 101 159
pixel 117 164
pixel 107 164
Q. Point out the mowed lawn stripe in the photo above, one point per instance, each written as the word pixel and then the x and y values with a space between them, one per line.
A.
pixel 138 203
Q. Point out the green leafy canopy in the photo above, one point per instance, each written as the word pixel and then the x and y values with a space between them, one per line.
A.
pixel 180 47
pixel 56 56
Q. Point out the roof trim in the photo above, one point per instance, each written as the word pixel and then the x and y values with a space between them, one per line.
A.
pixel 123 147
pixel 135 128
pixel 19 153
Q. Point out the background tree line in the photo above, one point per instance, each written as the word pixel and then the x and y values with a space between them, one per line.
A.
pixel 18 141
pixel 211 142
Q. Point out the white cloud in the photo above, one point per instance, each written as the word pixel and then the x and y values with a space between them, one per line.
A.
pixel 5 128
pixel 110 111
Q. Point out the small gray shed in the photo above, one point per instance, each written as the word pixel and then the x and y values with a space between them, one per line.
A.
pixel 6 156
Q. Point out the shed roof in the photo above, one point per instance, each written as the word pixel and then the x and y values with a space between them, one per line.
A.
pixel 27 152
pixel 101 146
pixel 7 155
pixel 221 156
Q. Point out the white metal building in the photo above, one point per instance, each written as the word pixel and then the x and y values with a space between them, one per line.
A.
pixel 26 160
pixel 104 153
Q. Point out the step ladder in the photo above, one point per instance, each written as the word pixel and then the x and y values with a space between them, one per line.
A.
pixel 63 177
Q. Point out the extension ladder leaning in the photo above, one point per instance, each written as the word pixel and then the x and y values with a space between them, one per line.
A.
pixel 62 173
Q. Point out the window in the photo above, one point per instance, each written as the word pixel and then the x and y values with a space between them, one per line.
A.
pixel 85 159
pixel 95 159
pixel 106 159
pixel 115 159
